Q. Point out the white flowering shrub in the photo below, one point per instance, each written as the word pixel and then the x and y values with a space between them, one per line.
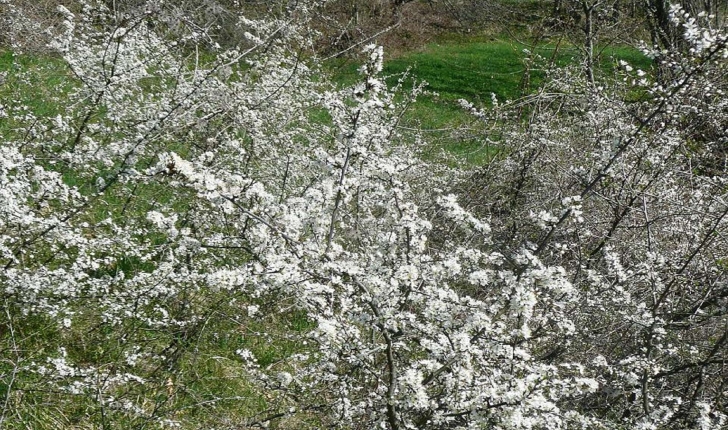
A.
pixel 221 238
pixel 226 237
pixel 624 185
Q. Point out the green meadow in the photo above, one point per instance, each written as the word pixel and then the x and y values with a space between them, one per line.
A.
pixel 476 69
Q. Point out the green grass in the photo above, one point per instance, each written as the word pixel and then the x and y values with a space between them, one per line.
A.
pixel 35 81
pixel 474 68
pixel 469 70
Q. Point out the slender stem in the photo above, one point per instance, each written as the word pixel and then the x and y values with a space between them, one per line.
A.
pixel 337 202
pixel 15 365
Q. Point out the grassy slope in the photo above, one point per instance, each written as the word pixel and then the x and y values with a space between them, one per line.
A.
pixel 474 69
